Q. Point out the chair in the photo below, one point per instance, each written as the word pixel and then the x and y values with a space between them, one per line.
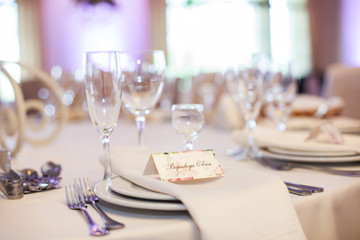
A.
pixel 27 119
pixel 344 81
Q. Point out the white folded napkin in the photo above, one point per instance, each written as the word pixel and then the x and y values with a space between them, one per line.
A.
pixel 242 204
pixel 295 140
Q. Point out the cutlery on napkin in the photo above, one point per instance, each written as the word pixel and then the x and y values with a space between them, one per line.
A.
pixel 243 204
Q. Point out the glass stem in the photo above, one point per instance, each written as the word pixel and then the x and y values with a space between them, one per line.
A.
pixel 189 145
pixel 251 124
pixel 140 124
pixel 250 139
pixel 106 154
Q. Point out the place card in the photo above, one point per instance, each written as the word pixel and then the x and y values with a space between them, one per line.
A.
pixel 187 165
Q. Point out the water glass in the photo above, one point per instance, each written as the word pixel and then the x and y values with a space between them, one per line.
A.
pixel 245 83
pixel 188 120
pixel 143 83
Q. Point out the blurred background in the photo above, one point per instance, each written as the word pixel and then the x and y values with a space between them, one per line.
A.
pixel 198 36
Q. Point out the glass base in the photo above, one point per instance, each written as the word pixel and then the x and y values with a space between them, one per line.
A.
pixel 244 152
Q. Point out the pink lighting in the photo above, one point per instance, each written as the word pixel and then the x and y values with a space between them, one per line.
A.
pixel 70 29
pixel 350 32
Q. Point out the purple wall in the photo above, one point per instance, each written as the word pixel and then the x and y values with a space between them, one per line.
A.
pixel 70 29
pixel 350 25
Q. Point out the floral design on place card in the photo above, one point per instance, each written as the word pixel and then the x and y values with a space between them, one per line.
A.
pixel 185 165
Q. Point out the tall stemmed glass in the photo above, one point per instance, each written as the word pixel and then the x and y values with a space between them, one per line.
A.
pixel 143 82
pixel 245 86
pixel 103 96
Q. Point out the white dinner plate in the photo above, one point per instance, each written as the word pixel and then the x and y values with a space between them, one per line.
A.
pixel 319 159
pixel 125 187
pixel 311 153
pixel 106 194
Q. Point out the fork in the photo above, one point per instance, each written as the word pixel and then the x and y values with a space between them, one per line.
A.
pixel 90 197
pixel 76 202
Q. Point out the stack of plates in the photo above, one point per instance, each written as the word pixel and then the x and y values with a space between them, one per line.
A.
pixel 124 193
pixel 310 156
pixel 293 146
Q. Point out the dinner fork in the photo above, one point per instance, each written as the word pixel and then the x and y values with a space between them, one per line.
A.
pixel 279 164
pixel 76 202
pixel 90 197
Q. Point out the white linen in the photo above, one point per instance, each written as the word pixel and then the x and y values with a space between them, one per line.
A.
pixel 255 205
pixel 295 140
pixel 331 215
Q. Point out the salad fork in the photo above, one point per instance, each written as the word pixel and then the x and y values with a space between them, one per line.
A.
pixel 76 202
pixel 91 198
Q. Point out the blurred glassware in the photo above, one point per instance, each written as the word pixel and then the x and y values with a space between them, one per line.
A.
pixel 245 84
pixel 74 94
pixel 188 120
pixel 143 82
pixel 208 88
pixel 169 95
pixel 280 94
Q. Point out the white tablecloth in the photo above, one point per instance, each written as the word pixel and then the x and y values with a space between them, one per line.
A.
pixel 333 214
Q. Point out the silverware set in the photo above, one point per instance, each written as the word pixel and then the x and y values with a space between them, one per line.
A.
pixel 305 190
pixel 78 196
pixel 279 164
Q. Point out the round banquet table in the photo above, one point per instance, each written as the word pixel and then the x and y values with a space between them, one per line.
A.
pixel 333 214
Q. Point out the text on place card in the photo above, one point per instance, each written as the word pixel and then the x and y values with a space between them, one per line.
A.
pixel 185 165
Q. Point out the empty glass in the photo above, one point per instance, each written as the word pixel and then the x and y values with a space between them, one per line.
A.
pixel 143 82
pixel 188 120
pixel 280 95
pixel 208 87
pixel 245 84
pixel 103 96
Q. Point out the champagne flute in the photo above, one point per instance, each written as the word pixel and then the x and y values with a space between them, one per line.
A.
pixel 103 96
pixel 188 120
pixel 143 82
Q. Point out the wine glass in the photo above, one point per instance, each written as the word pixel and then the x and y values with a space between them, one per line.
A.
pixel 245 84
pixel 143 82
pixel 188 120
pixel 281 94
pixel 103 96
